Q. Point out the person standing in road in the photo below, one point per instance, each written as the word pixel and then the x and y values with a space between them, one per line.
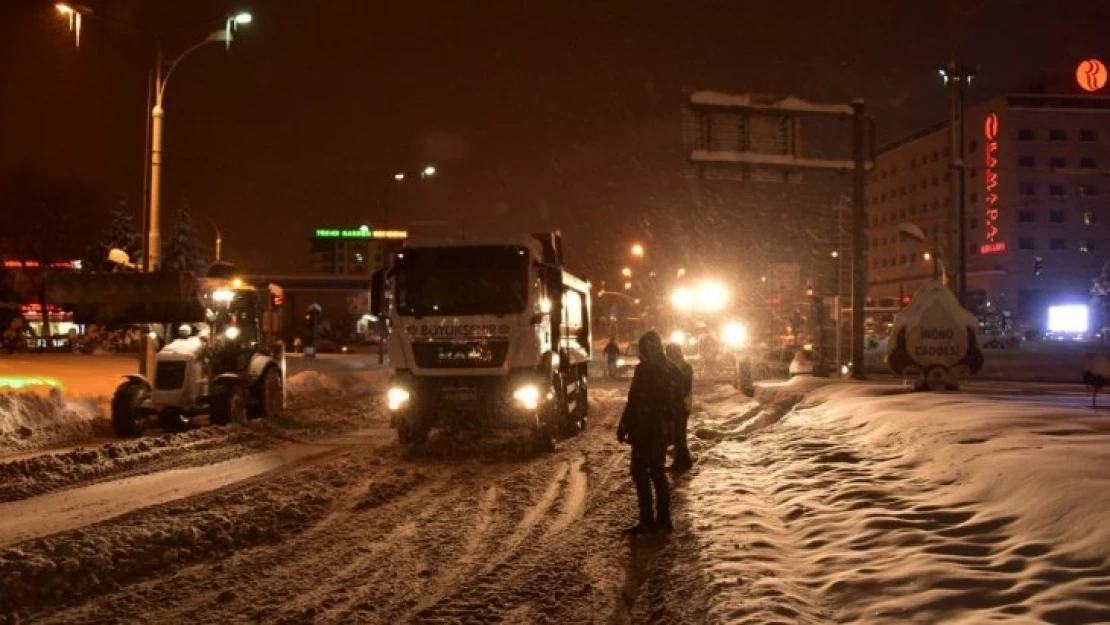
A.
pixel 646 424
pixel 612 351
pixel 682 459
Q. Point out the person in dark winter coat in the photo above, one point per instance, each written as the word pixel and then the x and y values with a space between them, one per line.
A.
pixel 647 424
pixel 612 351
pixel 682 459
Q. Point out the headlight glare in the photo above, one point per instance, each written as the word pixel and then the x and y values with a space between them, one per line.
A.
pixel 397 397
pixel 527 396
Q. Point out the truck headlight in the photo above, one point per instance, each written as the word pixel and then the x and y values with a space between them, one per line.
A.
pixel 397 397
pixel 527 396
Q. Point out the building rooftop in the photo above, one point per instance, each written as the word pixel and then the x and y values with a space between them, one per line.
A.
pixel 1043 101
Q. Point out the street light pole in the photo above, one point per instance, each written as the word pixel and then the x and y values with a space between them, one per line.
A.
pixel 219 239
pixel 157 114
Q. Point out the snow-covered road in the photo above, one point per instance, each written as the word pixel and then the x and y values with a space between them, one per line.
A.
pixel 863 504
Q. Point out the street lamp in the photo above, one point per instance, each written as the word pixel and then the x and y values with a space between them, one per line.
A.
pixel 157 114
pixel 427 172
pixel 913 231
pixel 74 13
pixel 626 272
pixel 638 250
pixel 219 239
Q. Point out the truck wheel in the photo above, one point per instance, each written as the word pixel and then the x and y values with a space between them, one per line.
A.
pixel 127 419
pixel 412 433
pixel 582 403
pixel 272 399
pixel 229 405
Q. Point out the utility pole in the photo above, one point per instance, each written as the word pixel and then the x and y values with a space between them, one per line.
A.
pixel 859 235
pixel 956 78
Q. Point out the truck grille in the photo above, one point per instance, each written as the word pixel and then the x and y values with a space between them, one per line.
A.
pixel 169 376
pixel 468 355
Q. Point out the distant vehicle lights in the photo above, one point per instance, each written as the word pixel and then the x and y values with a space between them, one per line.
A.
pixel 709 296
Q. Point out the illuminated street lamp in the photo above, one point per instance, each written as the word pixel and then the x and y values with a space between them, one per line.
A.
pixel 428 171
pixel 681 272
pixel 638 250
pixel 627 286
pixel 834 254
pixel 682 299
pixel 626 272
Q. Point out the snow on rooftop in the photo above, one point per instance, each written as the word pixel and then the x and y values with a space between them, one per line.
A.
pixel 756 102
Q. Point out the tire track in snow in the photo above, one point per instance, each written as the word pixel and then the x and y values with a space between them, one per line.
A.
pixel 574 505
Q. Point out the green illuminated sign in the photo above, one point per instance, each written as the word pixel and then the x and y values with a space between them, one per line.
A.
pixel 327 233
pixel 360 233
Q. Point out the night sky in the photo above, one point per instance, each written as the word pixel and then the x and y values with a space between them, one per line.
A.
pixel 538 114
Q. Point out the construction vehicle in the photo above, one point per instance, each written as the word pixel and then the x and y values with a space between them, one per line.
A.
pixel 218 358
pixel 486 334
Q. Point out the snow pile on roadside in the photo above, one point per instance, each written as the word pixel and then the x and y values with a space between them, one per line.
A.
pixel 34 421
pixel 869 503
pixel 317 385
pixel 39 474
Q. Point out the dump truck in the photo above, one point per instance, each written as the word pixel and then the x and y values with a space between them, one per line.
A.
pixel 486 333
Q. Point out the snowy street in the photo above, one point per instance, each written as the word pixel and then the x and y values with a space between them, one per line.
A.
pixel 862 503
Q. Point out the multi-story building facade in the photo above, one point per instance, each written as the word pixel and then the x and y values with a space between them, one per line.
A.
pixel 357 252
pixel 1037 216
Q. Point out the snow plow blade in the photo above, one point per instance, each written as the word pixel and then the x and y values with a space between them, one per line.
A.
pixel 106 298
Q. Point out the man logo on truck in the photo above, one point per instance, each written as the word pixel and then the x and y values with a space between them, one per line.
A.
pixel 437 332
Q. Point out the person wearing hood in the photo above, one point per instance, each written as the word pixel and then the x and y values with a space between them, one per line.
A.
pixel 647 424
pixel 682 459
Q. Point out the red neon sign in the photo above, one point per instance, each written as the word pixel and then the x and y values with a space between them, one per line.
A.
pixel 1091 75
pixel 990 180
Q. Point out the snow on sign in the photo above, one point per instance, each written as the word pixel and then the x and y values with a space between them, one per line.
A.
pixel 935 341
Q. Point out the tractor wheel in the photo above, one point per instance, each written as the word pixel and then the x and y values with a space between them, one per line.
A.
pixel 173 420
pixel 272 394
pixel 127 419
pixel 229 404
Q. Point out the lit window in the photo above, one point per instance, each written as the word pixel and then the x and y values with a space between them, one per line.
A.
pixel 1086 246
pixel 1089 217
pixel 1087 190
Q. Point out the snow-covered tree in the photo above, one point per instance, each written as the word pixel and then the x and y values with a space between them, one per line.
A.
pixel 183 250
pixel 1100 296
pixel 121 233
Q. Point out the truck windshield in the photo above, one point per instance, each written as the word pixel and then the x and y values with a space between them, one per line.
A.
pixel 491 280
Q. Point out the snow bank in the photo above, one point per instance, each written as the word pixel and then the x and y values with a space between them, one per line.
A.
pixel 869 503
pixel 320 385
pixel 31 420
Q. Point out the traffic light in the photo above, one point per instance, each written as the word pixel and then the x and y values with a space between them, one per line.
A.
pixel 1038 266
pixel 906 299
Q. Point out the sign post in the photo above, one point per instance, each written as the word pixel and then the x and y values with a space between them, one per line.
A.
pixel 935 341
